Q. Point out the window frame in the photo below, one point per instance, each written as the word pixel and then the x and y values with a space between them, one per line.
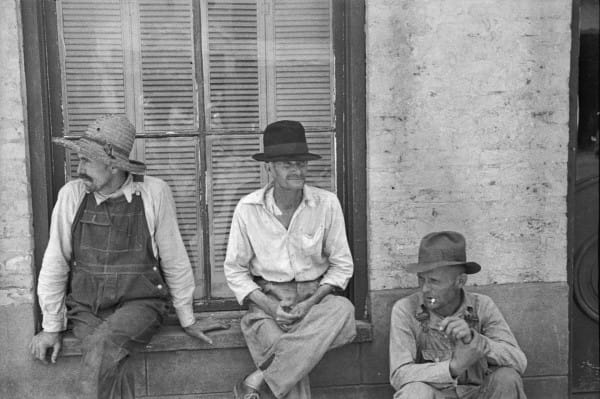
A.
pixel 44 121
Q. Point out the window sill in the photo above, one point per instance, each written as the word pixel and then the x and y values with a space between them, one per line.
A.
pixel 172 338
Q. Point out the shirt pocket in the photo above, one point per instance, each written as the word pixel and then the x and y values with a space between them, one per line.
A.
pixel 311 243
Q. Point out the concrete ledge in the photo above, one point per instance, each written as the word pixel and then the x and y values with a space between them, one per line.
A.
pixel 173 338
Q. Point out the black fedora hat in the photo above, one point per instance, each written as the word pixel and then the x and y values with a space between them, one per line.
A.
pixel 444 248
pixel 285 141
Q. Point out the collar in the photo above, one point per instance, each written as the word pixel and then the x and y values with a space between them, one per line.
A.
pixel 127 189
pixel 260 197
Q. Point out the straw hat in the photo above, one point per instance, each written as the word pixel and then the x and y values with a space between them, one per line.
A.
pixel 285 141
pixel 108 139
pixel 444 248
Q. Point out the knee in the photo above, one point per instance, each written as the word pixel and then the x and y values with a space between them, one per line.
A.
pixel 504 378
pixel 415 390
pixel 341 307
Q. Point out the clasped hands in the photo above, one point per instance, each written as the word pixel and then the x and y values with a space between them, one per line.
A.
pixel 470 346
pixel 287 313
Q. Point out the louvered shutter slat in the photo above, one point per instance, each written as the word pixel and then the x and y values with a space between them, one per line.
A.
pixel 232 69
pixel 93 62
pixel 231 174
pixel 303 62
pixel 168 65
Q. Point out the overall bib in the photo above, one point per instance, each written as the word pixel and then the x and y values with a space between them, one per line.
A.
pixel 479 381
pixel 117 297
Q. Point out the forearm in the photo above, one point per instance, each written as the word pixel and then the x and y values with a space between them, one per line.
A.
pixel 423 372
pixel 320 293
pixel 265 303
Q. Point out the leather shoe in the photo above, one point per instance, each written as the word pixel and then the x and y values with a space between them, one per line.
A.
pixel 242 390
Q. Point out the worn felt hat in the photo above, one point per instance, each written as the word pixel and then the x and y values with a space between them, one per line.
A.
pixel 444 248
pixel 285 141
pixel 108 139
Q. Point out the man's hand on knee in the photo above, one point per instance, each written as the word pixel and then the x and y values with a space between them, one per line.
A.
pixel 41 342
pixel 201 326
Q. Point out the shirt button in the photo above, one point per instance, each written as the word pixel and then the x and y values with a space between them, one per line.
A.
pixel 155 268
pixel 159 286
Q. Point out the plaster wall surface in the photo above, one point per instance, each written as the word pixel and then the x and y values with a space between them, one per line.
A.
pixel 467 130
pixel 16 247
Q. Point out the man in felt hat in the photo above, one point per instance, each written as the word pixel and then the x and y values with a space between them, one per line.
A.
pixel 446 342
pixel 287 257
pixel 114 261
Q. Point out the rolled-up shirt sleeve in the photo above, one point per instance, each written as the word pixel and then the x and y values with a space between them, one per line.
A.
pixel 174 260
pixel 403 353
pixel 237 260
pixel 337 250
pixel 54 273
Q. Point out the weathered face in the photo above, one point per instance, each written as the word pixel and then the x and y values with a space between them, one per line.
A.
pixel 288 175
pixel 96 175
pixel 442 287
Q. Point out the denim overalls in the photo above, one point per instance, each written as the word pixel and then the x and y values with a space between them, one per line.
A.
pixel 434 346
pixel 117 297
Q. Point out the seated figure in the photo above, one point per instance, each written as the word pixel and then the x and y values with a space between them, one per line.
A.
pixel 446 342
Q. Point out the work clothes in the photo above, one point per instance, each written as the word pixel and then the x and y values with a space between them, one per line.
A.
pixel 166 244
pixel 314 246
pixel 419 352
pixel 286 358
pixel 288 265
pixel 117 296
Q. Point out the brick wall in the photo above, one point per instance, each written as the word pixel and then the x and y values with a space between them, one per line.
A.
pixel 15 210
pixel 467 105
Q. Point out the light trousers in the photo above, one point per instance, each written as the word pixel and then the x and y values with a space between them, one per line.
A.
pixel 286 358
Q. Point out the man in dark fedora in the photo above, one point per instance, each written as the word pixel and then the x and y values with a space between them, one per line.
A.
pixel 446 342
pixel 287 256
pixel 114 260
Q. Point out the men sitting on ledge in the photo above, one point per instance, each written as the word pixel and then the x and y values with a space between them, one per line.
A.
pixel 446 342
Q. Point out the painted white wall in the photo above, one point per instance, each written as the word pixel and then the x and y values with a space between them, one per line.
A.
pixel 467 115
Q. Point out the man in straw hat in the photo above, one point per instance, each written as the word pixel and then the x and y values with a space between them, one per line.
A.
pixel 287 256
pixel 446 342
pixel 114 260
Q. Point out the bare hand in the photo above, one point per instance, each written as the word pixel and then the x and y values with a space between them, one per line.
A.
pixel 201 326
pixel 465 355
pixel 43 341
pixel 456 328
pixel 283 316
pixel 301 309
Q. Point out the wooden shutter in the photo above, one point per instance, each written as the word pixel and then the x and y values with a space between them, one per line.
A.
pixel 167 65
pixel 232 174
pixel 303 62
pixel 92 63
pixel 231 64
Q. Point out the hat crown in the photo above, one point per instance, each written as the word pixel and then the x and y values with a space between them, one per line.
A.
pixel 445 246
pixel 113 130
pixel 285 140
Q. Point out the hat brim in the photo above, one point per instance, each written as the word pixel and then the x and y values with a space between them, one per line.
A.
pixel 95 151
pixel 290 157
pixel 470 267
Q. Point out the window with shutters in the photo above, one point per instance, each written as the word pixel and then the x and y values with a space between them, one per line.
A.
pixel 200 79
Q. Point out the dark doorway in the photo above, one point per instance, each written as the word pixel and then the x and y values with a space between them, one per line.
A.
pixel 585 365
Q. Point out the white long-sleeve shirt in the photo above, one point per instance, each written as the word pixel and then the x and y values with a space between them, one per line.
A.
pixel 313 246
pixel 167 245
